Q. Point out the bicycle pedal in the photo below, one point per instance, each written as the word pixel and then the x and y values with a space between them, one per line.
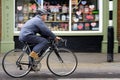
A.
pixel 35 68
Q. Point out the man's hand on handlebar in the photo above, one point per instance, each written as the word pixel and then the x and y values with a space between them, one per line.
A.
pixel 57 38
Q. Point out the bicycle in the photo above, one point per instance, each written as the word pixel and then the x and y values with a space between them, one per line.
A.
pixel 60 61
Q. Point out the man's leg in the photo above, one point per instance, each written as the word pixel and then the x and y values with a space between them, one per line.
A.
pixel 40 44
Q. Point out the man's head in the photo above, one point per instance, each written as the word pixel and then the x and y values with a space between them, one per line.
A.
pixel 43 13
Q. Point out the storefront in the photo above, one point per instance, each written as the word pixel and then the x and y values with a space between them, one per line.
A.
pixel 67 18
pixel 72 19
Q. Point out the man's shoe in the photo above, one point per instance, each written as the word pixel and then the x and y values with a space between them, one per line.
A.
pixel 34 55
pixel 35 61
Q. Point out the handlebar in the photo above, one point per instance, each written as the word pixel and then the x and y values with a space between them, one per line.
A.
pixel 64 41
pixel 61 41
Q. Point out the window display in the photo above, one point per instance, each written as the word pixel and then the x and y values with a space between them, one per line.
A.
pixel 57 21
pixel 67 15
pixel 85 15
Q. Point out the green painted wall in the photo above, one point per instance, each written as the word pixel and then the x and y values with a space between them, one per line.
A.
pixel 7 30
pixel 106 23
pixel 115 25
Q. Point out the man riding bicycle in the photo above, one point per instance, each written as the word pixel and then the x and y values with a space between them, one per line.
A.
pixel 34 26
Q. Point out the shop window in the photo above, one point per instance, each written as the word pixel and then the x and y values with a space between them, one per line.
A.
pixel 85 15
pixel 67 15
pixel 57 21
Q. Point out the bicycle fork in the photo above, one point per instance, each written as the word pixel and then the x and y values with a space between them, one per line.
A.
pixel 58 55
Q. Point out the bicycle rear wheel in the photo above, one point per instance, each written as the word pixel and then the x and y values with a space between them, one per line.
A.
pixel 60 68
pixel 16 63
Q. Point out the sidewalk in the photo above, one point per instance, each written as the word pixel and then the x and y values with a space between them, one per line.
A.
pixel 97 63
pixel 90 64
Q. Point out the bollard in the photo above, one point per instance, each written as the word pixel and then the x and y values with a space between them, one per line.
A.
pixel 110 45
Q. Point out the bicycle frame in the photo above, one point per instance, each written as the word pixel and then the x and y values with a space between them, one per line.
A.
pixel 52 47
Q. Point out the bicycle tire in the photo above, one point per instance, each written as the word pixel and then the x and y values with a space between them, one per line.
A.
pixel 10 64
pixel 66 68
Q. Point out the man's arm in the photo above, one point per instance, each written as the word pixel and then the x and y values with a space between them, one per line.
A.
pixel 44 30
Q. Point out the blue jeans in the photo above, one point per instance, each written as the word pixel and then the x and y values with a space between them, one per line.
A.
pixel 40 42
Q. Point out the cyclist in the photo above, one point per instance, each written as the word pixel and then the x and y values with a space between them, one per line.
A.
pixel 34 26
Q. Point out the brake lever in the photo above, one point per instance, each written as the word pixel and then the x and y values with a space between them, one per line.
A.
pixel 65 41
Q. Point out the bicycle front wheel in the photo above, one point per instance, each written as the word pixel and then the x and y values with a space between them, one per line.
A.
pixel 65 67
pixel 16 63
